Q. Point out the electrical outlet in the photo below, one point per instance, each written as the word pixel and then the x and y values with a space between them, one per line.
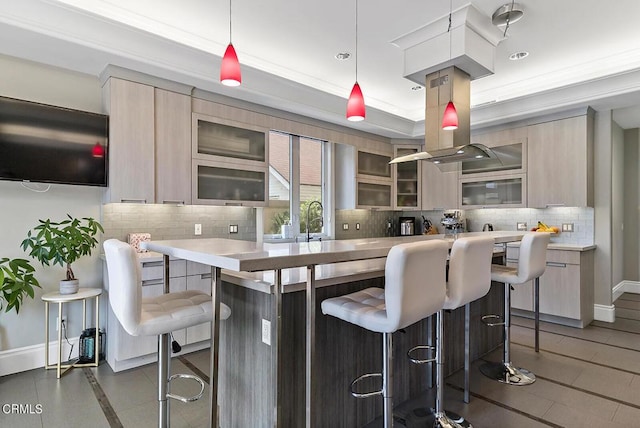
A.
pixel 567 227
pixel 64 321
pixel 521 226
pixel 197 230
pixel 266 332
pixel 345 226
pixel 357 226
pixel 233 228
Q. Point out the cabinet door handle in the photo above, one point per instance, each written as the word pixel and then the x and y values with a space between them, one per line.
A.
pixel 172 202
pixel 233 204
pixel 205 276
pixel 133 201
pixel 556 264
pixel 554 205
pixel 152 264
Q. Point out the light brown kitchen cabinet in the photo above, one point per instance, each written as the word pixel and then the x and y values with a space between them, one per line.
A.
pixel 566 287
pixel 363 178
pixel 229 162
pixel 130 107
pixel 172 147
pixel 407 180
pixel 560 157
pixel 149 143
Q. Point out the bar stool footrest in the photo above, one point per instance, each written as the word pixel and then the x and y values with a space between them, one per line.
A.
pixel 507 373
pixel 450 420
pixel 365 394
pixel 187 399
pixel 492 320
pixel 415 360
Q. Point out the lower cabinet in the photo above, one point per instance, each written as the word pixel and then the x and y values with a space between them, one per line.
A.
pixel 566 287
pixel 125 351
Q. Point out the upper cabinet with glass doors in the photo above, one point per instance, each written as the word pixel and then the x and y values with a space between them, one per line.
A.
pixel 363 178
pixel 229 162
pixel 407 179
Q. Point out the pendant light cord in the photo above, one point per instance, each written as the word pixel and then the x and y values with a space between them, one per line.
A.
pixel 229 21
pixel 449 28
pixel 356 40
pixel 506 28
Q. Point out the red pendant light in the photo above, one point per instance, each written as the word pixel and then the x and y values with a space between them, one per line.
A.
pixel 97 151
pixel 230 69
pixel 355 105
pixel 450 117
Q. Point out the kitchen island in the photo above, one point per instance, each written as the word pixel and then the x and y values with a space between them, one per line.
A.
pixel 280 366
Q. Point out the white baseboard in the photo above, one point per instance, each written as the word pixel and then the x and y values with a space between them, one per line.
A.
pixel 32 357
pixel 604 313
pixel 625 287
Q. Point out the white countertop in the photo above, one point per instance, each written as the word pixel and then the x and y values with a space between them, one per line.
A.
pixel 252 256
pixel 562 247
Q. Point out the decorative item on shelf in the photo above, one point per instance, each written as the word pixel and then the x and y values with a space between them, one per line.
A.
pixel 16 282
pixel 355 106
pixel 134 239
pixel 230 74
pixel 63 243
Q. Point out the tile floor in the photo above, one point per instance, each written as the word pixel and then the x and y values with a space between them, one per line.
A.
pixel 585 378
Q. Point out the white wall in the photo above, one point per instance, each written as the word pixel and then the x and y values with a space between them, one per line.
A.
pixel 631 234
pixel 20 208
pixel 617 205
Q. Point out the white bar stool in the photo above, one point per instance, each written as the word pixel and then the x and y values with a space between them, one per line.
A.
pixel 532 262
pixel 155 316
pixel 407 298
pixel 469 280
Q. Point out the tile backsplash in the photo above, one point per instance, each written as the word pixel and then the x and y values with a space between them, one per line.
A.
pixel 374 223
pixel 177 222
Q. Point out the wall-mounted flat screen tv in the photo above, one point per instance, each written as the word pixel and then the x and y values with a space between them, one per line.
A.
pixel 48 144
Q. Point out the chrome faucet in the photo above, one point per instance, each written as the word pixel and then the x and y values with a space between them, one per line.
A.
pixel 318 219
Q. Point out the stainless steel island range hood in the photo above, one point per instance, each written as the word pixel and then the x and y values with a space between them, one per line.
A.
pixel 446 147
pixel 445 63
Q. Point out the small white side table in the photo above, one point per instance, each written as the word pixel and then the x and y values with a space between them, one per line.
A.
pixel 55 297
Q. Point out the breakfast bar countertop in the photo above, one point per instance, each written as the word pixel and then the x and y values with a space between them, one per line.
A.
pixel 249 256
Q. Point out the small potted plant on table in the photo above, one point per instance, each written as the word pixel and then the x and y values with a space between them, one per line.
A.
pixel 16 282
pixel 63 243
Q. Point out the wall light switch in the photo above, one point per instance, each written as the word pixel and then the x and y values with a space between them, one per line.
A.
pixel 345 226
pixel 233 228
pixel 197 230
pixel 567 227
pixel 357 226
pixel 521 226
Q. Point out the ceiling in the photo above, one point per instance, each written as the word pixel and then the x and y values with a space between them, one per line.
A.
pixel 582 52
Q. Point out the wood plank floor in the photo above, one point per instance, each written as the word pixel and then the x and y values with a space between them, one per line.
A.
pixel 585 378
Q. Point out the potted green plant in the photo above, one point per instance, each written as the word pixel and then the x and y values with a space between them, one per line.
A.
pixel 63 243
pixel 16 282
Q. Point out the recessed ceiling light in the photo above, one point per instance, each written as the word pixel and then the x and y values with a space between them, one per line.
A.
pixel 460 152
pixel 343 56
pixel 417 88
pixel 518 55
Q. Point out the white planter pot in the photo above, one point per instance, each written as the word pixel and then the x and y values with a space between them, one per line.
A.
pixel 69 286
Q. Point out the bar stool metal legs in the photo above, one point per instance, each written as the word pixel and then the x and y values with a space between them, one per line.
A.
pixel 164 355
pixel 387 381
pixel 442 419
pixel 504 371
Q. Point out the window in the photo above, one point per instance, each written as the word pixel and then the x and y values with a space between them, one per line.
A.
pixel 298 171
